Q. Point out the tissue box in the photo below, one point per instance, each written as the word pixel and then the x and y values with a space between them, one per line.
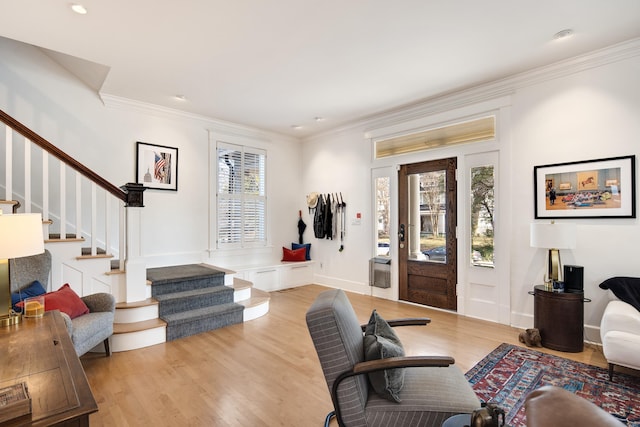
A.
pixel 14 402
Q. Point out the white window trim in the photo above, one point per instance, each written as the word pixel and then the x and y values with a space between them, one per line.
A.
pixel 242 244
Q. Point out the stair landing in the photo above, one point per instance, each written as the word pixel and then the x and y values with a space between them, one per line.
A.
pixel 138 324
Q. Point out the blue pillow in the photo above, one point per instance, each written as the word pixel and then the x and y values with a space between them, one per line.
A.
pixel 307 246
pixel 33 290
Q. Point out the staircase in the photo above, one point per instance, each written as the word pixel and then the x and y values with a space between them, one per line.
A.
pixel 193 299
pixel 183 306
pixel 92 229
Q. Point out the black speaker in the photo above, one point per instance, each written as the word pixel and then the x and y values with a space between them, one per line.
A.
pixel 573 278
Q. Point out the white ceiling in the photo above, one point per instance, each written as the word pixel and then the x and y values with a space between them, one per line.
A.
pixel 274 64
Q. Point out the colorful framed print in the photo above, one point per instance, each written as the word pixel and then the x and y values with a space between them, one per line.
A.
pixel 603 188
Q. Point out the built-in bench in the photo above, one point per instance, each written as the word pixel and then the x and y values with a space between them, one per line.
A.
pixel 277 275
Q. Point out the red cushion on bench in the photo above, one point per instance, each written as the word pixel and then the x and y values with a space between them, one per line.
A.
pixel 294 254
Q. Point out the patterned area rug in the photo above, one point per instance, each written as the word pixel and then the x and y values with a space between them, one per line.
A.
pixel 509 373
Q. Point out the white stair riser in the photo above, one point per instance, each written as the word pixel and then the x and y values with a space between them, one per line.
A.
pixel 138 314
pixel 241 294
pixel 228 279
pixel 251 313
pixel 139 339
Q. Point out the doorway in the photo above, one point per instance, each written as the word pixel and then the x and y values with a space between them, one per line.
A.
pixel 427 241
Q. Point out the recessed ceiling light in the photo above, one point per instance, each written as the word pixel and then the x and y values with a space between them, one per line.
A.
pixel 319 119
pixel 296 127
pixel 78 8
pixel 180 97
pixel 564 34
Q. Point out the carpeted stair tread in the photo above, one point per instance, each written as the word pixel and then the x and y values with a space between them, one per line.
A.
pixel 193 299
pixel 201 313
pixel 194 293
pixel 87 251
pixel 165 280
pixel 162 275
pixel 187 323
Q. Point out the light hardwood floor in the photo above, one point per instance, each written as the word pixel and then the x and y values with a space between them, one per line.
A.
pixel 265 372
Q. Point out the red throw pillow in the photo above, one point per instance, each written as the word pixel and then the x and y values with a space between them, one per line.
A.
pixel 294 254
pixel 65 300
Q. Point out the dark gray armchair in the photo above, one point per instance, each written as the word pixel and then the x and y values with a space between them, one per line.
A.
pixel 86 331
pixel 434 388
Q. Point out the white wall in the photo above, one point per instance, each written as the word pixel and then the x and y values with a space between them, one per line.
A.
pixel 46 98
pixel 576 112
pixel 587 112
pixel 588 115
pixel 339 164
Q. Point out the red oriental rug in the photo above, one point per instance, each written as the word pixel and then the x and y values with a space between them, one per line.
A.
pixel 509 373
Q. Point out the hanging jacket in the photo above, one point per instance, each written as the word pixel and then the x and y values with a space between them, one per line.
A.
pixel 335 212
pixel 319 218
pixel 328 218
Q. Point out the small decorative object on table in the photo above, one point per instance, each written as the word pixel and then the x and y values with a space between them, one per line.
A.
pixel 14 402
pixel 489 415
pixel 34 306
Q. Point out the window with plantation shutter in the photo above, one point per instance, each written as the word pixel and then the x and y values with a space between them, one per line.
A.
pixel 241 196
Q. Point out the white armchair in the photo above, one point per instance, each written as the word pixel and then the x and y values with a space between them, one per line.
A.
pixel 620 329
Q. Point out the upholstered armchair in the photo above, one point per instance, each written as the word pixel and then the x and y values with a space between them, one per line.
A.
pixel 620 325
pixel 86 331
pixel 433 389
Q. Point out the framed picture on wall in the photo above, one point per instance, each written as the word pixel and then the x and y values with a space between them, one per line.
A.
pixel 157 166
pixel 602 188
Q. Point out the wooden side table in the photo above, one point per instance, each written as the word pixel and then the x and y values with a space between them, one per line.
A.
pixel 560 318
pixel 39 353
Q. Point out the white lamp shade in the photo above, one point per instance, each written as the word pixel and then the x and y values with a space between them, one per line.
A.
pixel 553 236
pixel 20 235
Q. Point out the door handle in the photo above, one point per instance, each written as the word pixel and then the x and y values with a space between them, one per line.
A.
pixel 401 233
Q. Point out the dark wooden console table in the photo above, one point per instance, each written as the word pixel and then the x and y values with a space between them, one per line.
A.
pixel 39 352
pixel 560 318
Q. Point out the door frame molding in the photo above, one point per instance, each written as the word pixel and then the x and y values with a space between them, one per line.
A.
pixel 501 108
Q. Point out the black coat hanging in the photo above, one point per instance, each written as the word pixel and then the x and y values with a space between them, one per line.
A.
pixel 318 218
pixel 328 218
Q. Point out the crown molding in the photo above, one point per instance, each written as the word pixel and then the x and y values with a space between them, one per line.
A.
pixel 492 90
pixel 476 94
pixel 210 124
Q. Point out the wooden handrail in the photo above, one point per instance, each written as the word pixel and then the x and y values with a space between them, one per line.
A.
pixel 61 155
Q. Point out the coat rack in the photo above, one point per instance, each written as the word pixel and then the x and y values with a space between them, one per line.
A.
pixel 329 216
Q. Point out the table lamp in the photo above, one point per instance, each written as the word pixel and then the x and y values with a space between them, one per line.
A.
pixel 20 236
pixel 553 237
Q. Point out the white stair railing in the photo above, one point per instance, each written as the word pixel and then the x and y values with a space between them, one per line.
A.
pixel 72 218
pixel 76 204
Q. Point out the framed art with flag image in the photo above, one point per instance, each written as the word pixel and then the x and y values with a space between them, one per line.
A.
pixel 157 166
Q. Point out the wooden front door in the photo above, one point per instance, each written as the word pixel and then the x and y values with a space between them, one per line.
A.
pixel 427 233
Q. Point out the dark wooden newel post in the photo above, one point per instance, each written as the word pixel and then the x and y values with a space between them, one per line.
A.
pixel 134 194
